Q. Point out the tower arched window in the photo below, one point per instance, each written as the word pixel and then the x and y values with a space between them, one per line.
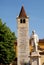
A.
pixel 24 21
pixel 20 20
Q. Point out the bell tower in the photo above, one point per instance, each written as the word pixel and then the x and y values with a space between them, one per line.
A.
pixel 23 37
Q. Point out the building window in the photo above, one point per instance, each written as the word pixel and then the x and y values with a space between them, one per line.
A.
pixel 24 21
pixel 20 20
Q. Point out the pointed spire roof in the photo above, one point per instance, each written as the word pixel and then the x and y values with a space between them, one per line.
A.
pixel 22 13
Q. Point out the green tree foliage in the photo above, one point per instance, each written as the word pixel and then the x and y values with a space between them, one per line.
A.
pixel 7 39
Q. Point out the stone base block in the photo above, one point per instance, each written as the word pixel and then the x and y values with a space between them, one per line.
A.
pixel 35 58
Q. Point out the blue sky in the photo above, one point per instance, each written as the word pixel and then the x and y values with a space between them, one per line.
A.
pixel 10 9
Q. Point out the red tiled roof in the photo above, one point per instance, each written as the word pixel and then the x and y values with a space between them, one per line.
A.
pixel 41 40
pixel 22 13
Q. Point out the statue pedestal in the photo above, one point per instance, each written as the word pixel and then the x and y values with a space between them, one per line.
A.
pixel 35 58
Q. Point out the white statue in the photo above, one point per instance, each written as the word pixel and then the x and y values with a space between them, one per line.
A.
pixel 34 40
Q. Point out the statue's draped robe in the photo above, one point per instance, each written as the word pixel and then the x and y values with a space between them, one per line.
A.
pixel 34 41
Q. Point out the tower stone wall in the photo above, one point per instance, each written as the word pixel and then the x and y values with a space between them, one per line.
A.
pixel 23 39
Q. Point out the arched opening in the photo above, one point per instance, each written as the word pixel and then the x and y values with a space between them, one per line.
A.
pixel 20 20
pixel 24 21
